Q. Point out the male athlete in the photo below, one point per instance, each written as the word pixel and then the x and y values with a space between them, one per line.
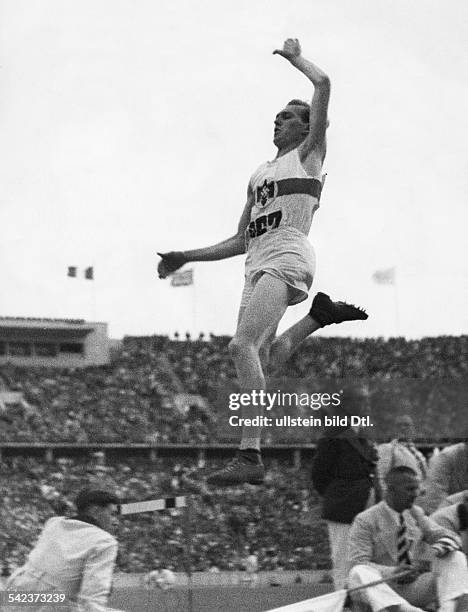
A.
pixel 282 197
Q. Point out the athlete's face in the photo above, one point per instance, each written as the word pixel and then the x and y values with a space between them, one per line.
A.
pixel 289 127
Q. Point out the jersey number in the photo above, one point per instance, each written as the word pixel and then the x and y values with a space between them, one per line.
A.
pixel 264 223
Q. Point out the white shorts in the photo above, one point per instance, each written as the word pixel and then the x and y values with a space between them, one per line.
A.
pixel 287 255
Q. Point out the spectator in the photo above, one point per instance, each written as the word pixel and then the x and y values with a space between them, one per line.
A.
pixel 448 474
pixel 74 556
pixel 250 563
pixel 455 518
pixel 343 474
pixel 132 399
pixel 394 536
pixel 401 451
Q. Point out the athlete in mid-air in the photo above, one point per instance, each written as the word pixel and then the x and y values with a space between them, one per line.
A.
pixel 282 198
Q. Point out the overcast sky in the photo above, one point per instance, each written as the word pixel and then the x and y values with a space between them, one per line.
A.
pixel 128 127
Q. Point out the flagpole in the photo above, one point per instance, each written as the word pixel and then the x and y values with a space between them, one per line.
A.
pixel 184 279
pixel 388 276
pixel 188 535
pixel 93 294
pixel 194 305
pixel 397 309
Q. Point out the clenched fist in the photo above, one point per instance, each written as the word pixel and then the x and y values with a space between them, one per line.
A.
pixel 170 262
pixel 291 49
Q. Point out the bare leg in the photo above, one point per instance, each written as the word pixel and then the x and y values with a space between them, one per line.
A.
pixel 323 312
pixel 288 342
pixel 257 325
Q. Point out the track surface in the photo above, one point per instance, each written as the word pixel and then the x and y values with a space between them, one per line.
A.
pixel 214 599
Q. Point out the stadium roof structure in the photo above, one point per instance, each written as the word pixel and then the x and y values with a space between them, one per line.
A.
pixel 53 342
pixel 73 327
pixel 38 321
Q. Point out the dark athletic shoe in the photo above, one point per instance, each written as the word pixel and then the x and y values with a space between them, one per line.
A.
pixel 245 467
pixel 326 312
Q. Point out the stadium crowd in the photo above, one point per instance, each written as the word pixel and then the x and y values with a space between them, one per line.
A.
pixel 132 399
pixel 287 537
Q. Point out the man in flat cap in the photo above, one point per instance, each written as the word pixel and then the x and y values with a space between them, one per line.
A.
pixel 74 556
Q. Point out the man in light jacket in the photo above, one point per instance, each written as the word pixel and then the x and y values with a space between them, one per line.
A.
pixel 74 556
pixel 395 536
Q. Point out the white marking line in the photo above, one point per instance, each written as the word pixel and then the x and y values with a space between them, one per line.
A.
pixel 152 505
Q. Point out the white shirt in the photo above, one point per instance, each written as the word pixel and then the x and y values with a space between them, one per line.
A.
pixel 73 557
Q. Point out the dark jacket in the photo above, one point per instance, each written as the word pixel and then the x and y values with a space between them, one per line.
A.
pixel 342 473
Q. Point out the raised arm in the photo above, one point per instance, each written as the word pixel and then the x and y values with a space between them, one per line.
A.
pixel 318 121
pixel 235 245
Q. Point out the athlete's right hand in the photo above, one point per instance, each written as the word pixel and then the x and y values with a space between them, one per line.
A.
pixel 170 262
pixel 291 49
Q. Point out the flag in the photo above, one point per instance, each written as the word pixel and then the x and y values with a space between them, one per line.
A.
pixel 182 279
pixel 71 271
pixel 331 602
pixel 89 273
pixel 384 277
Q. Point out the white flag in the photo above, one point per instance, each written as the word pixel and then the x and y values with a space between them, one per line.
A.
pixel 182 279
pixel 331 602
pixel 384 277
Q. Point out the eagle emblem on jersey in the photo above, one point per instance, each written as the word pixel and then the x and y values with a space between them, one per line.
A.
pixel 265 192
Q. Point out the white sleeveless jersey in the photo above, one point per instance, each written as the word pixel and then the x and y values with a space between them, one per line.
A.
pixel 286 197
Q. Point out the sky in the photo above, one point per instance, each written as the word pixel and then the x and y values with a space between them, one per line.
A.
pixel 129 127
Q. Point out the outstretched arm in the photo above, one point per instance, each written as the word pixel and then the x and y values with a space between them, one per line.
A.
pixel 235 245
pixel 319 106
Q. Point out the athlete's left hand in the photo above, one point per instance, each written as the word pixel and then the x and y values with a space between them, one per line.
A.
pixel 170 262
pixel 291 49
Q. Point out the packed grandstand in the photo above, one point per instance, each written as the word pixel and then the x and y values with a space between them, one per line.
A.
pixel 136 400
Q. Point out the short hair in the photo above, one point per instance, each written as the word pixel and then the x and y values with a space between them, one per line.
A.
pixel 304 108
pixel 94 497
pixel 400 470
